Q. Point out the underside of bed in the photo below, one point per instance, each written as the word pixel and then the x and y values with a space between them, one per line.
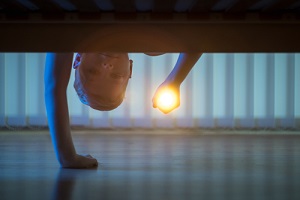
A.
pixel 150 26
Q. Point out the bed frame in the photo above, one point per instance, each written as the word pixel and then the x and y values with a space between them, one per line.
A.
pixel 161 27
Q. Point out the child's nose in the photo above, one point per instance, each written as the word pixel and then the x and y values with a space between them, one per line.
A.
pixel 108 65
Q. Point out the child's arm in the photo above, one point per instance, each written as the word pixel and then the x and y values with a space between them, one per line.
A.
pixel 184 64
pixel 57 74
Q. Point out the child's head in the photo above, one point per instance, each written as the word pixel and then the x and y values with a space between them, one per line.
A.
pixel 101 79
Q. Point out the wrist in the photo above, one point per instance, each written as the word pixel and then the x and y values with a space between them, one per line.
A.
pixel 65 158
pixel 173 81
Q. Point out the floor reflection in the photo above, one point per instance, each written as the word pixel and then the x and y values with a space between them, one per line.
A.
pixel 155 167
pixel 64 187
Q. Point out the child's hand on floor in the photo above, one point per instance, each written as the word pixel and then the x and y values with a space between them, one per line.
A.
pixel 80 161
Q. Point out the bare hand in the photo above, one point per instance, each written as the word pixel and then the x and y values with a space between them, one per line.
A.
pixel 80 161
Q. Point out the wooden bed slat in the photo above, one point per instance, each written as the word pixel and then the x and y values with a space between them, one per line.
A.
pixel 242 6
pixel 47 6
pixel 203 5
pixel 124 6
pixel 163 6
pixel 154 5
pixel 13 6
pixel 280 5
pixel 85 6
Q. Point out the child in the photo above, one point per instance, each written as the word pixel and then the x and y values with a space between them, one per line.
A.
pixel 100 82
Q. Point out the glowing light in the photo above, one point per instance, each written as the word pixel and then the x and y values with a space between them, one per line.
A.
pixel 167 100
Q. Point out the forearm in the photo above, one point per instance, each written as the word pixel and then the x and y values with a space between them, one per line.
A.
pixel 184 64
pixel 59 125
pixel 57 73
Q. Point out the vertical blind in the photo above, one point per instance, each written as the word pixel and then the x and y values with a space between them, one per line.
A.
pixel 223 90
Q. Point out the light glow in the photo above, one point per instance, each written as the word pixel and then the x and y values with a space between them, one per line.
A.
pixel 167 100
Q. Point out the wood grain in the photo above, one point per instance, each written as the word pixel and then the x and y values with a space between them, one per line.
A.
pixel 158 164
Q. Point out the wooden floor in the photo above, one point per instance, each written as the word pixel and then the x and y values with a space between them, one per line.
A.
pixel 158 164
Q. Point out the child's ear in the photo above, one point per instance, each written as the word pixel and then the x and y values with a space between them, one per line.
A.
pixel 77 60
pixel 131 63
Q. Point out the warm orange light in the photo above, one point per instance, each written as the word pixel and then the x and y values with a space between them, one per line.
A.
pixel 167 100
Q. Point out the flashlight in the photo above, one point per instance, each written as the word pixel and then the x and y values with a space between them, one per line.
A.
pixel 167 100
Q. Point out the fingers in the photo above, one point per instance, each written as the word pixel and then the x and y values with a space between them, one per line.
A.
pixel 90 161
pixel 166 98
pixel 93 163
pixel 81 162
pixel 166 111
pixel 154 103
